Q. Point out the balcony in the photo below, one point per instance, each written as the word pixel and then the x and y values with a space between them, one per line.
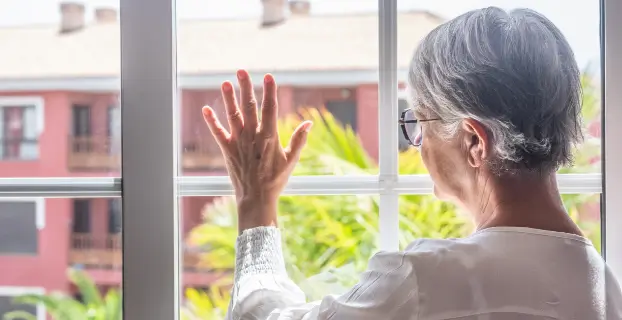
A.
pixel 99 153
pixel 93 153
pixel 104 252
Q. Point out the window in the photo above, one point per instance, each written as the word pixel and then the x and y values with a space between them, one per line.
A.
pixel 81 120
pixel 20 127
pixel 172 169
pixel 344 111
pixel 81 216
pixel 20 222
pixel 8 294
pixel 114 216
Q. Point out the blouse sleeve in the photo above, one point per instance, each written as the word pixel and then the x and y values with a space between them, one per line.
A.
pixel 262 290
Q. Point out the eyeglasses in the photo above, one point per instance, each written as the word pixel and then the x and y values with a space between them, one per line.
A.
pixel 411 127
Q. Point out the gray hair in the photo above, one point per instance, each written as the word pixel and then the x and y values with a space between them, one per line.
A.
pixel 515 73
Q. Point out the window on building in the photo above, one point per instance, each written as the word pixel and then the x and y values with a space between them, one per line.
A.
pixel 19 133
pixel 81 224
pixel 81 216
pixel 114 216
pixel 81 120
pixel 7 305
pixel 344 111
pixel 18 228
pixel 81 128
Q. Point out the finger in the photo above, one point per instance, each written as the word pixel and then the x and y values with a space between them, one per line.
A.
pixel 298 141
pixel 234 115
pixel 269 106
pixel 215 127
pixel 248 101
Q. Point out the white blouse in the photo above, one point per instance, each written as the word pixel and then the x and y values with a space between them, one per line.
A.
pixel 496 274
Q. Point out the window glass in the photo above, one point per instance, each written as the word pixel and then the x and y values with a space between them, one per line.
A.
pixel 583 38
pixel 59 248
pixel 20 223
pixel 54 102
pixel 327 241
pixel 323 55
pixel 7 305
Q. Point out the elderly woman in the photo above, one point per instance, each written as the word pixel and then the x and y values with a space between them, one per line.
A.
pixel 496 111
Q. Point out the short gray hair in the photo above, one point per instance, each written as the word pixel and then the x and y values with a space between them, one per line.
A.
pixel 515 73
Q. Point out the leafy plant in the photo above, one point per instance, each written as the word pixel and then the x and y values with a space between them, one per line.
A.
pixel 63 307
pixel 205 305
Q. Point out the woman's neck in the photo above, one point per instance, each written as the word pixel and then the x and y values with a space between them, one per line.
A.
pixel 531 201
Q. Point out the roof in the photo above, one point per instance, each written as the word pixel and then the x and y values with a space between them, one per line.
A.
pixel 309 43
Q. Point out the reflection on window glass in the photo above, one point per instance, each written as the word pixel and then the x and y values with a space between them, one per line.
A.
pixel 325 238
pixel 60 250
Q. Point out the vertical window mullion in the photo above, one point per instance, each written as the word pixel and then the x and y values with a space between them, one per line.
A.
pixel 387 124
pixel 149 160
pixel 612 154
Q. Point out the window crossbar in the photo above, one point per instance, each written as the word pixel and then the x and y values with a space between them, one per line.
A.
pixel 221 186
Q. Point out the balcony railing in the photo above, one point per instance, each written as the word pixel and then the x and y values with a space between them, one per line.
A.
pixel 104 252
pixel 99 153
pixel 92 153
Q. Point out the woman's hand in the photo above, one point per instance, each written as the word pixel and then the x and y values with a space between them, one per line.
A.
pixel 257 164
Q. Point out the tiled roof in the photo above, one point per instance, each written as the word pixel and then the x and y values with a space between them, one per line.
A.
pixel 310 43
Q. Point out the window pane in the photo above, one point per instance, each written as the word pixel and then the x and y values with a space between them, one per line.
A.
pixel 424 216
pixel 324 57
pixel 48 246
pixel 325 238
pixel 58 80
pixel 19 234
pixel 583 38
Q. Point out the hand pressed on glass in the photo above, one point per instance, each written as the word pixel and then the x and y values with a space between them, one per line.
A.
pixel 258 165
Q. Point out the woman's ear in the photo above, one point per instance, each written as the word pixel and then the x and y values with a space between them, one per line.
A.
pixel 476 142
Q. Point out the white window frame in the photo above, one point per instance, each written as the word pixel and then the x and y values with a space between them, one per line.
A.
pixel 151 186
pixel 14 291
pixel 26 101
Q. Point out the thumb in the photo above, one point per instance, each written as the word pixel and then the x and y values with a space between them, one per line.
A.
pixel 298 141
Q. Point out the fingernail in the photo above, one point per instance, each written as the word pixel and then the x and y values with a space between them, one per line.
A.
pixel 308 126
pixel 241 74
pixel 206 111
pixel 227 86
pixel 267 78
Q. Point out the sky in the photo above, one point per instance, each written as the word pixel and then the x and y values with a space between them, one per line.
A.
pixel 577 19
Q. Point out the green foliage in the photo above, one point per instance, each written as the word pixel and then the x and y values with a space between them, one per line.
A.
pixel 205 305
pixel 63 307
